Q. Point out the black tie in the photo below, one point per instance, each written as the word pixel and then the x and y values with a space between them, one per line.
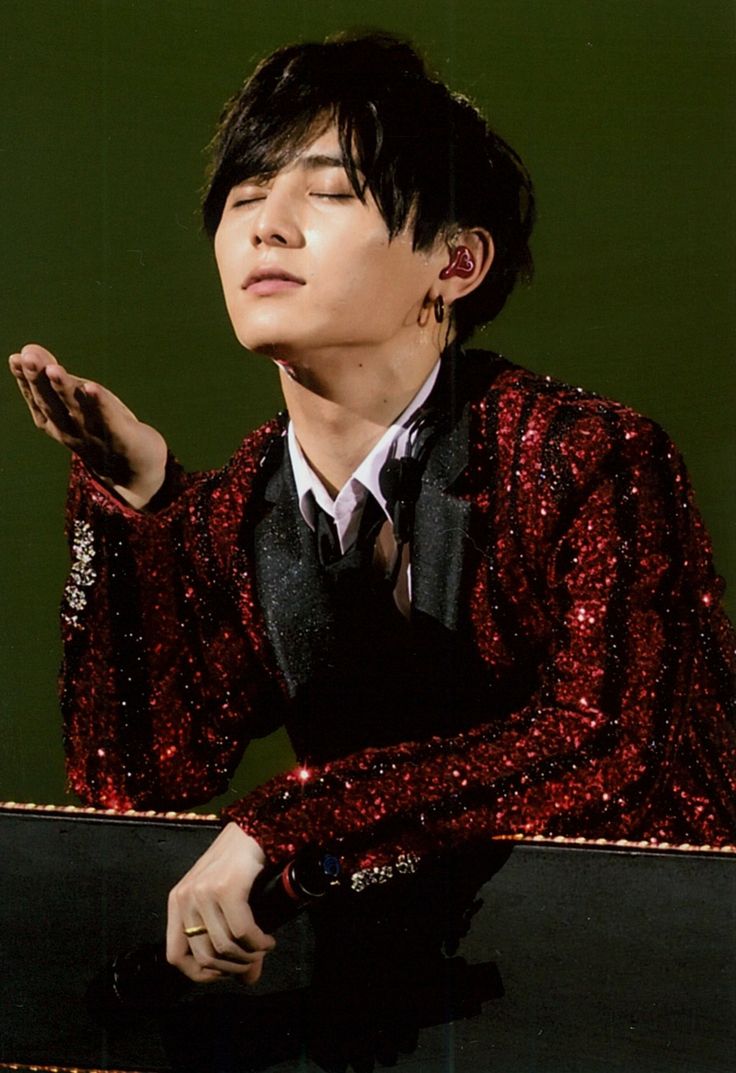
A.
pixel 359 556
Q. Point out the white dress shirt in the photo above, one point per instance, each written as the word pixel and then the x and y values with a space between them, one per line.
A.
pixel 347 506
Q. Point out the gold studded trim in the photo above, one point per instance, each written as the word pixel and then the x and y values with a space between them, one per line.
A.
pixel 404 861
pixel 108 813
pixel 25 1067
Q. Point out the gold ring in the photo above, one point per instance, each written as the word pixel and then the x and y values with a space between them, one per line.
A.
pixel 198 929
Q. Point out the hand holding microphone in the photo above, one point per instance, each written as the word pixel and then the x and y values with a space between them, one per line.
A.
pixel 142 981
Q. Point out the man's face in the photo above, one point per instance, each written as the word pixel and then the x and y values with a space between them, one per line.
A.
pixel 306 266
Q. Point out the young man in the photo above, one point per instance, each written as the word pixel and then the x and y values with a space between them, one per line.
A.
pixel 482 602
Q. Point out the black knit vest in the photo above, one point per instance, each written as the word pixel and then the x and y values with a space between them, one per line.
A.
pixel 382 679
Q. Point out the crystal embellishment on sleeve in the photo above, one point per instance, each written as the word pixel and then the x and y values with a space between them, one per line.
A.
pixel 82 575
pixel 405 864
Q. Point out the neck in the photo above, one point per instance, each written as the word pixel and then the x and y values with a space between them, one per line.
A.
pixel 341 403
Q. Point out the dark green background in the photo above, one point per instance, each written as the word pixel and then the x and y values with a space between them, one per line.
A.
pixel 623 110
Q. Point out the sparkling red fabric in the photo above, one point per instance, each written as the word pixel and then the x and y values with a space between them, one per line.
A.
pixel 593 556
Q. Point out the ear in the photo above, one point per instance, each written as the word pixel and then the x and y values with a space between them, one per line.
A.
pixel 469 257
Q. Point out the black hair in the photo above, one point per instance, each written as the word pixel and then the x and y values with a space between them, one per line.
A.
pixel 426 154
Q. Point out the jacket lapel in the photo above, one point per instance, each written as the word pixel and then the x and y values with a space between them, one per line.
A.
pixel 296 612
pixel 441 521
pixel 443 548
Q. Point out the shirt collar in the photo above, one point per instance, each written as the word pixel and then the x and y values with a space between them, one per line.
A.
pixel 345 508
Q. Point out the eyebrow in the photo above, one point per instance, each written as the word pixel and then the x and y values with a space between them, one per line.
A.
pixel 312 162
pixel 320 160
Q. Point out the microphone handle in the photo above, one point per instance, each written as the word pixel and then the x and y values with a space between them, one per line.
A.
pixel 141 981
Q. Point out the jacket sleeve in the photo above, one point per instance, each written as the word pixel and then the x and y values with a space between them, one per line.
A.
pixel 594 543
pixel 162 682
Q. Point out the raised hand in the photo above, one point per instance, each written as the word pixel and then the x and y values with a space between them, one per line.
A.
pixel 212 901
pixel 125 454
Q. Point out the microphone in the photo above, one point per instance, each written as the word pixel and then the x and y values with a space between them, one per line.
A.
pixel 400 479
pixel 142 982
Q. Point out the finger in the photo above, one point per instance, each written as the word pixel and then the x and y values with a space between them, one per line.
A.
pixel 254 974
pixel 199 975
pixel 15 364
pixel 177 947
pixel 105 425
pixel 223 954
pixel 16 368
pixel 82 399
pixel 242 926
pixel 191 968
pixel 62 392
pixel 219 945
pixel 67 389
pixel 178 953
pixel 19 370
pixel 88 399
pixel 95 425
pixel 48 401
pixel 38 354
pixel 208 958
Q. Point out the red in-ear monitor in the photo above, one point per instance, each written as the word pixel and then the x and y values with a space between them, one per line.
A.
pixel 461 264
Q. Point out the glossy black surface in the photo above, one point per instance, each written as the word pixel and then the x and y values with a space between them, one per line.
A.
pixel 581 960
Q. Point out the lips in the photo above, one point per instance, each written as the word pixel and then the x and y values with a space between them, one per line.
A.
pixel 271 280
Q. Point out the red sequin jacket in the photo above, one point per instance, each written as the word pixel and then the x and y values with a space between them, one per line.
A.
pixel 581 553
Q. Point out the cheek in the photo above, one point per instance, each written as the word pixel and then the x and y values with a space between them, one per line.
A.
pixel 227 260
pixel 364 269
pixel 391 279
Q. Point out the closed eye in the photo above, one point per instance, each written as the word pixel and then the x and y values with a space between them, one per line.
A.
pixel 246 201
pixel 237 203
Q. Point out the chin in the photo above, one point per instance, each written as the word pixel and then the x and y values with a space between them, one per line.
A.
pixel 258 337
pixel 264 334
pixel 259 343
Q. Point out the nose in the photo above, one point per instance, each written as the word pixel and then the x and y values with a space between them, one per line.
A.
pixel 276 223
